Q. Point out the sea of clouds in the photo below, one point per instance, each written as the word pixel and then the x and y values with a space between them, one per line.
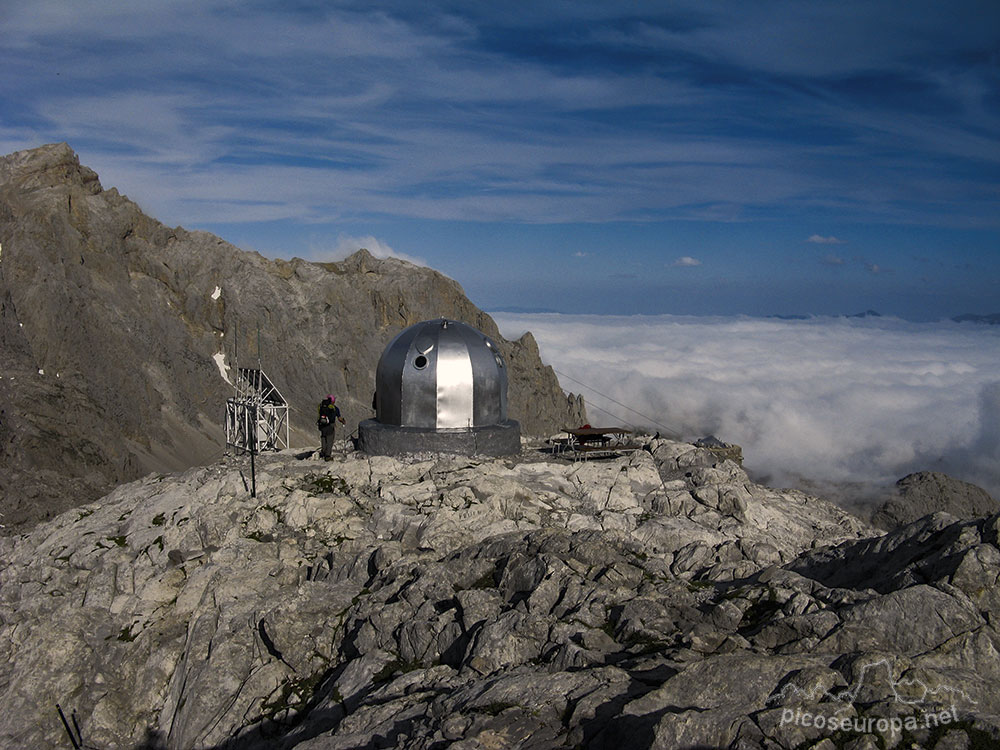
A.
pixel 840 403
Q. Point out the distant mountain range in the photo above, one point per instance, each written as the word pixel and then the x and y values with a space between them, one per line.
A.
pixel 865 314
pixel 992 320
pixel 514 309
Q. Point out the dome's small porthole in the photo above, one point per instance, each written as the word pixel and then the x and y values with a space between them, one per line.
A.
pixel 420 362
pixel 499 359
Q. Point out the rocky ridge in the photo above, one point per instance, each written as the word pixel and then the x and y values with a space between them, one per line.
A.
pixel 118 334
pixel 924 492
pixel 446 601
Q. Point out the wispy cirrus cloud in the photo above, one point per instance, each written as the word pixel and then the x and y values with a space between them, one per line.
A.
pixel 577 123
pixel 446 114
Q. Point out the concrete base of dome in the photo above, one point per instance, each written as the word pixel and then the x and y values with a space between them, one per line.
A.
pixel 379 439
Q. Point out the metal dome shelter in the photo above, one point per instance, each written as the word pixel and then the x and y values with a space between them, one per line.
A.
pixel 440 385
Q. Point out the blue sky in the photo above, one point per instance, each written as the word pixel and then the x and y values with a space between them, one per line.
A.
pixel 708 158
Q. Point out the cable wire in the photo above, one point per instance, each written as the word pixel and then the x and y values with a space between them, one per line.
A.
pixel 667 430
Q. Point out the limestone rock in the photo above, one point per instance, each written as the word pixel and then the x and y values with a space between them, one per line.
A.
pixel 113 328
pixel 926 492
pixel 521 602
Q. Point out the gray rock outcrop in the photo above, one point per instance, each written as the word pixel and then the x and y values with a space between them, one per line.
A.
pixel 926 492
pixel 526 602
pixel 112 326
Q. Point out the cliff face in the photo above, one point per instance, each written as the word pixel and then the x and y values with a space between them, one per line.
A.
pixel 111 325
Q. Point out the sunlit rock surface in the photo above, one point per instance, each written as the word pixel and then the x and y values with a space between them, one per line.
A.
pixel 525 602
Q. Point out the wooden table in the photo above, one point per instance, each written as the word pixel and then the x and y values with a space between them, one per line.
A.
pixel 584 442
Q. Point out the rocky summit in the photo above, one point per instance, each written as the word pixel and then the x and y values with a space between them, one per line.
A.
pixel 119 335
pixel 660 599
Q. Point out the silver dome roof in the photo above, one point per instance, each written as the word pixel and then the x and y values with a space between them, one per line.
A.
pixel 441 374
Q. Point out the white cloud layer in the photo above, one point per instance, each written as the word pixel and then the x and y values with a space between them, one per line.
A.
pixel 830 400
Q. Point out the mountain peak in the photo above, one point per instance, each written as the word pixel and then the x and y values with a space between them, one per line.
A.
pixel 363 261
pixel 126 332
pixel 48 166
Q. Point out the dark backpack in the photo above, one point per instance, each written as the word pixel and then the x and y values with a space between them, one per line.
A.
pixel 327 413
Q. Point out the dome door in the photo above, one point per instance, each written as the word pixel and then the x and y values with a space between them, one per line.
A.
pixel 454 384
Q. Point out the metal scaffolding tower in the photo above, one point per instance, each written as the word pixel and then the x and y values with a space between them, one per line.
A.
pixel 257 416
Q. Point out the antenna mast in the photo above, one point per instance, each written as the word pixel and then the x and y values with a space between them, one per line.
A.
pixel 257 413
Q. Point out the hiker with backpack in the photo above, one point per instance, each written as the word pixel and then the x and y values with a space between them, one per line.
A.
pixel 329 414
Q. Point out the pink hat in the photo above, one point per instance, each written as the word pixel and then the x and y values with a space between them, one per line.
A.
pixel 332 398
